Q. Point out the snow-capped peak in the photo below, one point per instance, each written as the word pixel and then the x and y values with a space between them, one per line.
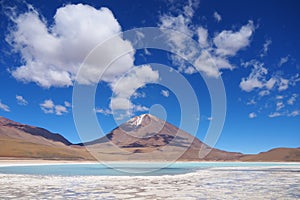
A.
pixel 136 121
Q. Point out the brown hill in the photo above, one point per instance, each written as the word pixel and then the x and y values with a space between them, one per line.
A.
pixel 24 141
pixel 275 155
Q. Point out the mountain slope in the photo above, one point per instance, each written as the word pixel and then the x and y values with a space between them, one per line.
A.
pixel 24 141
pixel 147 137
pixel 277 154
pixel 34 131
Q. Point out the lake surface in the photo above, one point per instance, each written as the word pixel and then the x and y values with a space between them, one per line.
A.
pixel 125 169
pixel 177 181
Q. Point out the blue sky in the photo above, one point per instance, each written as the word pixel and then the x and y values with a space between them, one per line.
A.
pixel 252 46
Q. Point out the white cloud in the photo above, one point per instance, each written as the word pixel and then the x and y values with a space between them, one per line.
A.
pixel 217 16
pixel 209 118
pixel 21 100
pixel 202 35
pixel 279 97
pixel 104 111
pixel 286 113
pixel 207 55
pixel 165 93
pixel 263 83
pixel 264 93
pixel 292 99
pixel 275 114
pixel 67 104
pixel 228 42
pixel 48 106
pixel 140 108
pixel 53 53
pixel 266 48
pixel 126 86
pixel 294 113
pixel 59 109
pixel 139 95
pixel 283 84
pixel 249 84
pixel 256 77
pixel 279 105
pixel 252 115
pixel 121 103
pixel 211 64
pixel 4 107
pixel 270 83
pixel 283 60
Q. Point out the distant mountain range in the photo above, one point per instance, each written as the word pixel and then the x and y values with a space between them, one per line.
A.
pixel 143 137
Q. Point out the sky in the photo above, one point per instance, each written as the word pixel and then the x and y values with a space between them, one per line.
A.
pixel 239 58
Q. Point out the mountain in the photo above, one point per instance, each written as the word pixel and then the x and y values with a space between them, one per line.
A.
pixel 144 137
pixel 277 154
pixel 35 131
pixel 147 137
pixel 24 141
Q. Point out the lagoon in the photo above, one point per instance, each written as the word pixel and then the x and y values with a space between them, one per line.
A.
pixel 183 180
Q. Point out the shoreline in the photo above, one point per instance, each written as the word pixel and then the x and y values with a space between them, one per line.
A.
pixel 35 162
pixel 206 183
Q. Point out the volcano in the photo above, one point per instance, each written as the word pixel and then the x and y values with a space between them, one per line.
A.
pixel 142 138
pixel 147 137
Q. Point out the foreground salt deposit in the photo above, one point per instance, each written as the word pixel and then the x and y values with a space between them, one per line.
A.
pixel 213 183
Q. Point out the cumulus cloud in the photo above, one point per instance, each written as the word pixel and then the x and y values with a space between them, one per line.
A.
pixel 202 35
pixel 21 100
pixel 48 107
pixel 217 16
pixel 4 107
pixel 258 79
pixel 274 85
pixel 52 53
pixel 228 42
pixel 252 115
pixel 270 83
pixel 126 86
pixel 59 109
pixel 165 93
pixel 208 55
